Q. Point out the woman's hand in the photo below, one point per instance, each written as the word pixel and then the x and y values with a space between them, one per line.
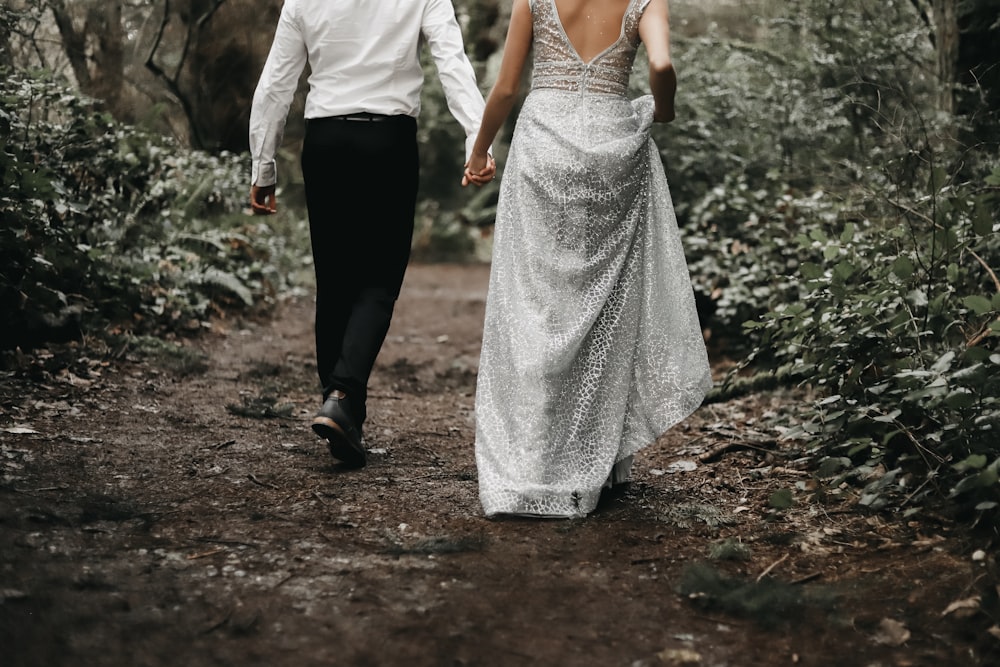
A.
pixel 479 170
pixel 263 200
pixel 663 116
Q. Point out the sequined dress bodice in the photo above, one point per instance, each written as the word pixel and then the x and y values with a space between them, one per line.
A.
pixel 558 65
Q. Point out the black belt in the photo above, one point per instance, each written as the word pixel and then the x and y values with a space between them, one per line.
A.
pixel 362 116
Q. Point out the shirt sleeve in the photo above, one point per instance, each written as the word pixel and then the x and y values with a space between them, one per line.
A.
pixel 444 39
pixel 273 96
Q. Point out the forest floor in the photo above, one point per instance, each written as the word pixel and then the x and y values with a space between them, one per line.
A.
pixel 170 506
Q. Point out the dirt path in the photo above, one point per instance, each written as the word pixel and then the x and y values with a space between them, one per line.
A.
pixel 144 523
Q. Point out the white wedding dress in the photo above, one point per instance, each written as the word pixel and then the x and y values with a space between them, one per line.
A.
pixel 591 345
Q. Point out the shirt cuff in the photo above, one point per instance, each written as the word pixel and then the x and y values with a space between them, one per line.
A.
pixel 263 173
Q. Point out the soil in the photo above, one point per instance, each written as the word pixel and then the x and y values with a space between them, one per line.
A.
pixel 170 506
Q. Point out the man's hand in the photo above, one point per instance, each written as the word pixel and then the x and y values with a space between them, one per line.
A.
pixel 479 170
pixel 263 200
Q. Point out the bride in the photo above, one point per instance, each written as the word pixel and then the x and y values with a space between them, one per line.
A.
pixel 591 343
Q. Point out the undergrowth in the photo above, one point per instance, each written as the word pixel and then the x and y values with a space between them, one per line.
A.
pixel 107 225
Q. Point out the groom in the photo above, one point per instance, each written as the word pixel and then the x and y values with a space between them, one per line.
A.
pixel 360 167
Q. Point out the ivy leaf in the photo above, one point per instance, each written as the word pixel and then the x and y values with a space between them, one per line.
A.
pixel 938 179
pixel 811 271
pixel 843 270
pixel 848 234
pixel 982 219
pixel 973 462
pixel 902 267
pixel 960 400
pixel 943 363
pixel 980 305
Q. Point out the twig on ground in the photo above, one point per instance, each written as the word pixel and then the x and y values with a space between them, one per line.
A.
pixel 808 577
pixel 213 540
pixel 716 452
pixel 218 624
pixel 253 478
pixel 770 567
pixel 206 554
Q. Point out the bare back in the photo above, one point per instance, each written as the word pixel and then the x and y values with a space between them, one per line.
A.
pixel 592 26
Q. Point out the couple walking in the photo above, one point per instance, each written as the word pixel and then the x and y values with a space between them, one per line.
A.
pixel 591 344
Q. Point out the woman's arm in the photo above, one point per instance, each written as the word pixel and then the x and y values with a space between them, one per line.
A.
pixel 504 92
pixel 654 30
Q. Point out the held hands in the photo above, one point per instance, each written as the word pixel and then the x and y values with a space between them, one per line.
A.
pixel 479 170
pixel 263 200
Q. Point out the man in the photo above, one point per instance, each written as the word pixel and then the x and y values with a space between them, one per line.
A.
pixel 360 167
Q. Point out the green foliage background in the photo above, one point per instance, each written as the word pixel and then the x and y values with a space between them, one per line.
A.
pixel 843 237
pixel 107 224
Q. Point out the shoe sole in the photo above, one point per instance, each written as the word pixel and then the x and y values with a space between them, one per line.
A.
pixel 341 447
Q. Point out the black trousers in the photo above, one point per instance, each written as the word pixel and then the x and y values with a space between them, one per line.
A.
pixel 361 181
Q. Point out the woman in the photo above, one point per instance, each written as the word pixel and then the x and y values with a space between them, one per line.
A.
pixel 591 345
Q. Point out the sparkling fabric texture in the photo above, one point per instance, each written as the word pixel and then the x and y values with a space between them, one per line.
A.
pixel 591 345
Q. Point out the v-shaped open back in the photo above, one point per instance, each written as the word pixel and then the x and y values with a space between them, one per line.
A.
pixel 603 67
pixel 588 25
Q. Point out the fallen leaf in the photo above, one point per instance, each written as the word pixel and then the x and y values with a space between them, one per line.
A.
pixel 891 633
pixel 963 608
pixel 19 430
pixel 12 594
pixel 682 466
pixel 76 380
pixel 679 657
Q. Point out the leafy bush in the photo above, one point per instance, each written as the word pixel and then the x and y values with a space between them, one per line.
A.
pixel 827 204
pixel 898 327
pixel 106 222
pixel 768 129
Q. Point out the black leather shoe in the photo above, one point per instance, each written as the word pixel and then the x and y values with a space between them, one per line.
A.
pixel 334 423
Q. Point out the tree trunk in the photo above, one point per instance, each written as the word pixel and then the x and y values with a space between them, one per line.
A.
pixel 946 41
pixel 96 51
pixel 104 22
pixel 74 44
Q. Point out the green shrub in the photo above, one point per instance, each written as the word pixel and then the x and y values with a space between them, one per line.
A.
pixel 898 328
pixel 104 222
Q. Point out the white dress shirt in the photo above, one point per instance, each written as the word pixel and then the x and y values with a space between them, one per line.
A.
pixel 364 57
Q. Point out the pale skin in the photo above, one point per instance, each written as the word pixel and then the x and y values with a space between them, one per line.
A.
pixel 592 26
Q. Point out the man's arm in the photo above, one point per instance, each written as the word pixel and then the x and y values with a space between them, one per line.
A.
pixel 444 39
pixel 271 100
